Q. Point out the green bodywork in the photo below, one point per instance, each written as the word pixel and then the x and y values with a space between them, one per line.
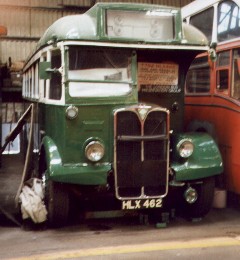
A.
pixel 65 155
pixel 64 140
pixel 205 161
pixel 72 173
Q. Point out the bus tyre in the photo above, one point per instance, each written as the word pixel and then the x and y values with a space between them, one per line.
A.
pixel 57 200
pixel 203 204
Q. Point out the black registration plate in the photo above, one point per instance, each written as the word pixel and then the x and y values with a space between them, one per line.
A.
pixel 142 204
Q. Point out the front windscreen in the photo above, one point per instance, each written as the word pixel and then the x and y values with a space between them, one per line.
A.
pixel 99 72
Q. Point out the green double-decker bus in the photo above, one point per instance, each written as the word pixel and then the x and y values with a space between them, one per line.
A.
pixel 107 88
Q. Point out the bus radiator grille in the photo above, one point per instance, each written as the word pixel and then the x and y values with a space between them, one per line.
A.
pixel 141 154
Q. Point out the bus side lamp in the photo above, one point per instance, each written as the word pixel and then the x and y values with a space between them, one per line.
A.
pixel 72 112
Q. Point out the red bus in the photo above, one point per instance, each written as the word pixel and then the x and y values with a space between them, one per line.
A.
pixel 213 89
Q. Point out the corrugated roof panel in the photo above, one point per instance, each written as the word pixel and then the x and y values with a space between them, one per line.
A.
pixel 167 2
pixel 17 21
pixel 65 13
pixel 60 3
pixel 17 50
pixel 79 3
pixel 185 2
pixel 41 20
pixel 15 2
pixel 177 3
pixel 85 3
pixel 46 3
pixel 127 1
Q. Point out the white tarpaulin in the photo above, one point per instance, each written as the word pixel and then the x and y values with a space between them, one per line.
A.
pixel 31 199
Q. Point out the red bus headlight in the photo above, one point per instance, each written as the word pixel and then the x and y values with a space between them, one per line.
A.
pixel 94 151
pixel 185 148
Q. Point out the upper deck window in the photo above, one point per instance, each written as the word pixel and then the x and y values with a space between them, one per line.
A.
pixel 228 21
pixel 99 73
pixel 147 25
pixel 204 22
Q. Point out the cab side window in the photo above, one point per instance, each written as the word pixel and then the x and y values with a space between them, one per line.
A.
pixel 198 76
pixel 235 89
pixel 223 72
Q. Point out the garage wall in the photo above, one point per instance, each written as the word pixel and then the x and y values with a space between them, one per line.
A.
pixel 26 20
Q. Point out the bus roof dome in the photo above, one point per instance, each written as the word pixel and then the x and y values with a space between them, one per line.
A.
pixel 74 27
pixel 124 22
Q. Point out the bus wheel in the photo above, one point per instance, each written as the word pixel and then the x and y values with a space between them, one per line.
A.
pixel 203 203
pixel 57 201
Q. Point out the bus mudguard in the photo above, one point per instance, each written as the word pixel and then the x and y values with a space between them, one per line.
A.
pixel 205 160
pixel 86 174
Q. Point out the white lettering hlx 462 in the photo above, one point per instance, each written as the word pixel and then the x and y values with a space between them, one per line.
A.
pixel 142 204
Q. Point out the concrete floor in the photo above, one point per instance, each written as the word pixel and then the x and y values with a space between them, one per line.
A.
pixel 217 236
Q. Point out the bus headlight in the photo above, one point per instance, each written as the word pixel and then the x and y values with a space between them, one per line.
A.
pixel 94 151
pixel 71 112
pixel 185 148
